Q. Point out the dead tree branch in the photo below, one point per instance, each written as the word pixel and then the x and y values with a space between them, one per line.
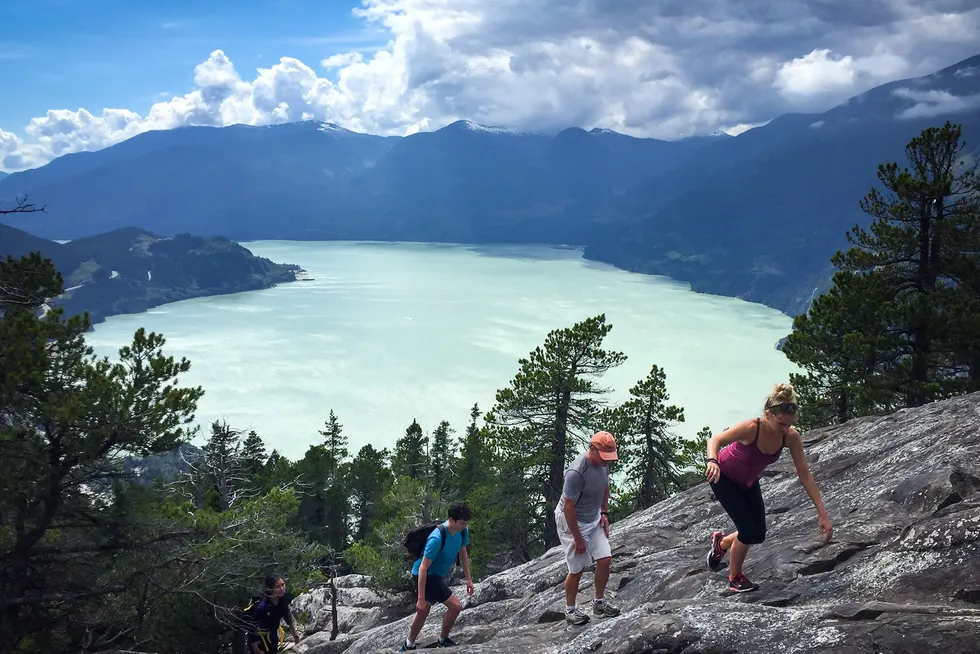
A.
pixel 21 205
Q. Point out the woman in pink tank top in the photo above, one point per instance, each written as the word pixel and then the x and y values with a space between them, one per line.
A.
pixel 736 458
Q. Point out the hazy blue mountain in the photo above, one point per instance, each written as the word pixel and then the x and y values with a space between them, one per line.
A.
pixel 240 180
pixel 471 183
pixel 763 224
pixel 756 216
pixel 464 182
pixel 453 184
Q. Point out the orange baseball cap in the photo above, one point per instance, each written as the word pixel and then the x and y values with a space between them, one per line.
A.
pixel 604 442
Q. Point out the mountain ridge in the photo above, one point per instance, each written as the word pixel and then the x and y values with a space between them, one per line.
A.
pixel 704 210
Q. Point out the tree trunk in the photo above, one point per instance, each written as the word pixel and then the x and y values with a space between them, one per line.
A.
pixel 842 407
pixel 974 370
pixel 920 328
pixel 364 521
pixel 238 642
pixel 334 629
pixel 646 487
pixel 556 468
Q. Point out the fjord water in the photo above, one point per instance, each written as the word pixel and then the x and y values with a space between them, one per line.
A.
pixel 385 333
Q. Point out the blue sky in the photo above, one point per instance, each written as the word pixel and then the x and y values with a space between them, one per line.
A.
pixel 85 74
pixel 126 53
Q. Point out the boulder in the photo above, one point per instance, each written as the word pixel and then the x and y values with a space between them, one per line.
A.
pixel 902 573
pixel 358 609
pixel 353 581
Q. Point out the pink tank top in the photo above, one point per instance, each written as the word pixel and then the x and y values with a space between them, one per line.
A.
pixel 744 463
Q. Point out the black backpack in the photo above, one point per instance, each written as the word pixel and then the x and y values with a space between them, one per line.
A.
pixel 415 540
pixel 247 614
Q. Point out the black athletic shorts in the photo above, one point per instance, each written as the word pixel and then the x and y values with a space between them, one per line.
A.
pixel 268 641
pixel 745 507
pixel 436 589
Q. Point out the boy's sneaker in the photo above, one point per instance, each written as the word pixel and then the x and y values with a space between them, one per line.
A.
pixel 446 642
pixel 406 648
pixel 576 616
pixel 715 552
pixel 741 584
pixel 604 608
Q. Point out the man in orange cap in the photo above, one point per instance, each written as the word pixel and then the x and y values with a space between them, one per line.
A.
pixel 582 517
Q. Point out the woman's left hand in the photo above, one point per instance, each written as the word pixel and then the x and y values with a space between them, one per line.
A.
pixel 825 527
pixel 295 635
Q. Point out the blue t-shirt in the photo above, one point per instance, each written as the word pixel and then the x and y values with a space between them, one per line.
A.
pixel 444 560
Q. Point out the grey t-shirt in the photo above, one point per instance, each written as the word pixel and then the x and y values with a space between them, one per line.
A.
pixel 585 484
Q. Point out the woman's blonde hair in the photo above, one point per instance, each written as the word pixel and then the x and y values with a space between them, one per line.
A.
pixel 781 394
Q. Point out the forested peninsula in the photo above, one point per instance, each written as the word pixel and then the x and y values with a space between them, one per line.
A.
pixel 130 270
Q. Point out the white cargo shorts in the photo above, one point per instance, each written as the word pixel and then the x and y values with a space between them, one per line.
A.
pixel 597 544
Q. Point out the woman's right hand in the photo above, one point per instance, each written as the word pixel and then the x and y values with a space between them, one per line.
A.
pixel 712 472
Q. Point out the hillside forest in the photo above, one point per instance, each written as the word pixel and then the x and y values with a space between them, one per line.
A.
pixel 115 535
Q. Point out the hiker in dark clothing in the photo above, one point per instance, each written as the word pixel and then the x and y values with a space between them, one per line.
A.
pixel 430 571
pixel 267 615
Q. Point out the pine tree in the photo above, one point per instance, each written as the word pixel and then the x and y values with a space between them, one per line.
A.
pixel 649 452
pixel 692 453
pixel 65 418
pixel 278 471
pixel 474 457
pixel 324 497
pixel 900 326
pixel 509 531
pixel 411 457
pixel 918 240
pixel 848 350
pixel 964 309
pixel 368 481
pixel 327 501
pixel 442 461
pixel 253 454
pixel 551 406
pixel 336 442
pixel 220 477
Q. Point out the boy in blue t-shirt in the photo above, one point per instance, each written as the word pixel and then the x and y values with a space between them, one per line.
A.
pixel 429 574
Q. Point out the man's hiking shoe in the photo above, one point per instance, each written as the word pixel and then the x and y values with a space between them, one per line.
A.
pixel 716 553
pixel 406 648
pixel 576 616
pixel 741 584
pixel 604 608
pixel 446 642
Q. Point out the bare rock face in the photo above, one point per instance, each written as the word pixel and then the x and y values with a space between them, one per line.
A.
pixel 359 608
pixel 902 573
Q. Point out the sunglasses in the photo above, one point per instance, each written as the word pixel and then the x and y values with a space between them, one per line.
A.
pixel 785 407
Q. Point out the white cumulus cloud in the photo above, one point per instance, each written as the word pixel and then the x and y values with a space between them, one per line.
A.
pixel 821 72
pixel 660 69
